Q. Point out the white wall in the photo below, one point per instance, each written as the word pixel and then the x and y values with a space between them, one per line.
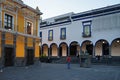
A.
pixel 104 27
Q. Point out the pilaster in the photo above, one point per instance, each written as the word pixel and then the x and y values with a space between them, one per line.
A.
pixel 2 61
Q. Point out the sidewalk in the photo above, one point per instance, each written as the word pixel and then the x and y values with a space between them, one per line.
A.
pixel 60 72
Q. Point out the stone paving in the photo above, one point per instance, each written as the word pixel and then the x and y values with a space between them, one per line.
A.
pixel 60 72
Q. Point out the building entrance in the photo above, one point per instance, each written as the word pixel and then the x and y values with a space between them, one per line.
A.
pixel 73 50
pixel 89 49
pixel 105 49
pixel 60 53
pixel 9 56
pixel 30 57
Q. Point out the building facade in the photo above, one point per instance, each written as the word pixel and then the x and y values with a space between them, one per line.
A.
pixel 95 31
pixel 19 40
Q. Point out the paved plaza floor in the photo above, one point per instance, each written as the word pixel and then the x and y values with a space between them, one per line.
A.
pixel 60 72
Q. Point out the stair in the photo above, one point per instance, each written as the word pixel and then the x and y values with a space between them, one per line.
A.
pixel 62 60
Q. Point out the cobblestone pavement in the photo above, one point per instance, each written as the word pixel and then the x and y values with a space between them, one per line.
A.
pixel 60 72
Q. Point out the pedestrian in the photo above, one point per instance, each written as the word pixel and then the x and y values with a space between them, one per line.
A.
pixel 68 62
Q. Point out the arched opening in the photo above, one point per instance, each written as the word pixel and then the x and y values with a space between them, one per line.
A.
pixel 74 47
pixel 63 49
pixel 115 47
pixel 53 50
pixel 102 48
pixel 87 46
pixel 45 49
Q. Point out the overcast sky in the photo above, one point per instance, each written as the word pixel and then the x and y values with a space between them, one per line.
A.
pixel 51 8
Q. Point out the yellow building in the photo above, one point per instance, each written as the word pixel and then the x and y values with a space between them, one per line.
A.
pixel 19 41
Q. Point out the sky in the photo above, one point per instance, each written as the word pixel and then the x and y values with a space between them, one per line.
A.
pixel 52 8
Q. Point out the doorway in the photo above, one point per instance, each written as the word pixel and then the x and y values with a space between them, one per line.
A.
pixel 30 57
pixel 73 50
pixel 60 52
pixel 105 49
pixel 89 49
pixel 9 56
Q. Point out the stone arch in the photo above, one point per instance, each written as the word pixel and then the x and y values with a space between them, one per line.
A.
pixel 74 48
pixel 63 49
pixel 102 48
pixel 45 49
pixel 87 45
pixel 53 50
pixel 115 47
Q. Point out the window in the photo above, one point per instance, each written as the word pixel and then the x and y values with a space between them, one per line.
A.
pixel 67 18
pixel 8 22
pixel 63 33
pixel 41 34
pixel 29 28
pixel 86 29
pixel 50 35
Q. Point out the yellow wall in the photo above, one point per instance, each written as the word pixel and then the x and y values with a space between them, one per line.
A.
pixel 29 42
pixel 9 39
pixel 20 23
pixel 12 14
pixel 0 45
pixel 20 46
pixel 20 17
pixel 37 48
pixel 36 28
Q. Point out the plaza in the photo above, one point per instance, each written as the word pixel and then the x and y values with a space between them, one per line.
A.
pixel 91 37
pixel 46 71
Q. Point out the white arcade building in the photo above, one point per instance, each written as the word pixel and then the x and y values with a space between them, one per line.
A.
pixel 96 31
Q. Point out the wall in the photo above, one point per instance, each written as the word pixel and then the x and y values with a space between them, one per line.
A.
pixel 0 45
pixel 37 48
pixel 103 27
pixel 20 46
pixel 17 37
pixel 115 49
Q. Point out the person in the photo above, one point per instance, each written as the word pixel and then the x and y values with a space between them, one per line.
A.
pixel 68 62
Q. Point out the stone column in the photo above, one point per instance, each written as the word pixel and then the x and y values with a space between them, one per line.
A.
pixel 36 59
pixel 25 51
pixel 68 51
pixel 58 52
pixel 80 50
pixel 14 47
pixel 49 52
pixel 34 41
pixel 110 56
pixel 93 55
pixel 2 61
pixel 40 49
pixel 110 51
